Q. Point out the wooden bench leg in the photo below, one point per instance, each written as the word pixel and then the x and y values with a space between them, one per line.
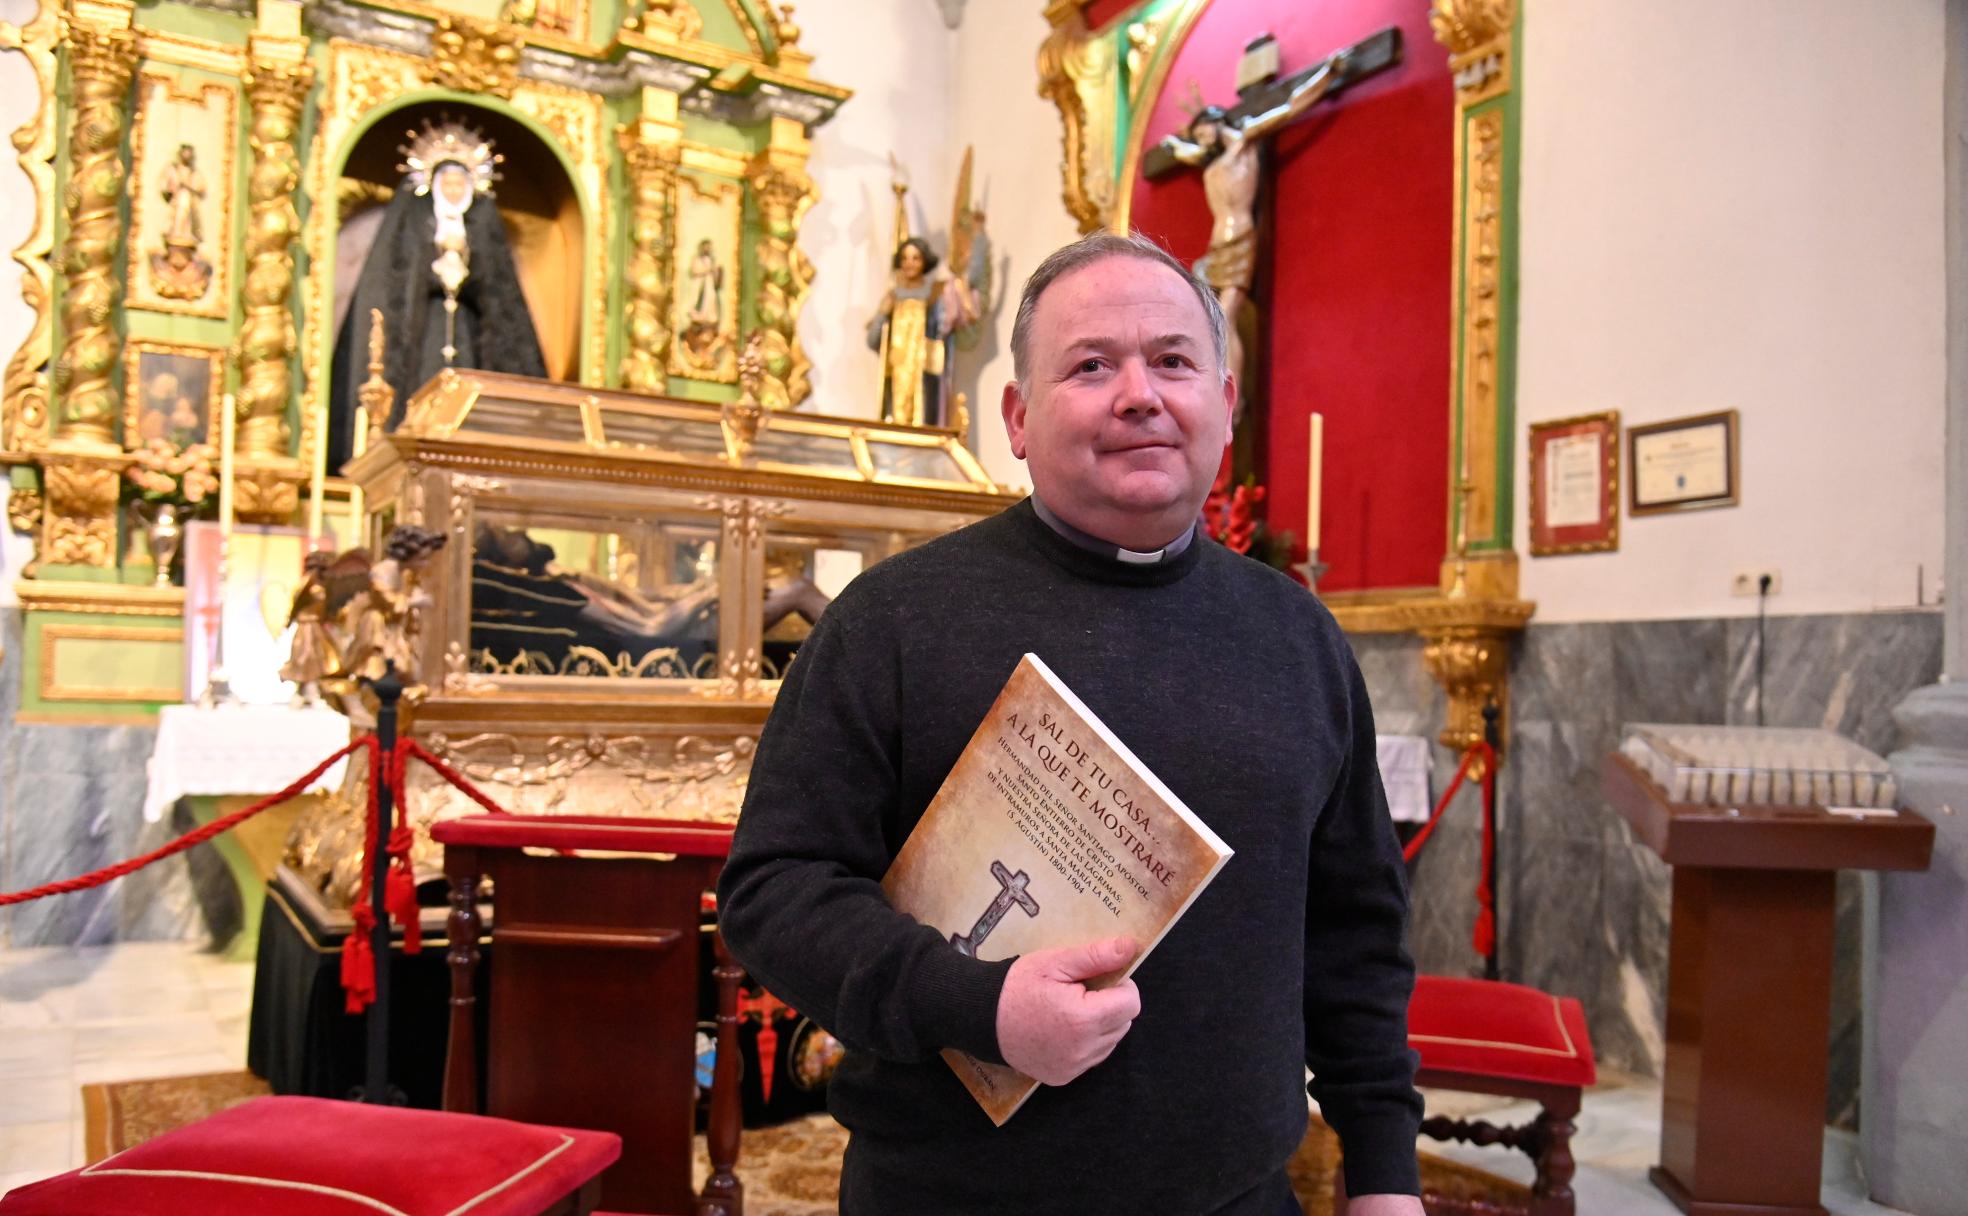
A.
pixel 461 1052
pixel 1552 1193
pixel 1546 1140
pixel 723 1193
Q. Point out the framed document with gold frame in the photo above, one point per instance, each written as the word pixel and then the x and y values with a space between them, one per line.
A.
pixel 1575 484
pixel 1685 464
pixel 171 391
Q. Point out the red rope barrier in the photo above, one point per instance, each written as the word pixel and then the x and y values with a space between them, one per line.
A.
pixel 400 891
pixel 193 838
pixel 408 747
pixel 1483 937
pixel 400 896
pixel 358 954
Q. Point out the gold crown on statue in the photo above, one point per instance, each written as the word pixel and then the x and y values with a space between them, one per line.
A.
pixel 449 142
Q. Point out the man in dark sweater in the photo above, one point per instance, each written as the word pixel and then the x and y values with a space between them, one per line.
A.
pixel 1178 1092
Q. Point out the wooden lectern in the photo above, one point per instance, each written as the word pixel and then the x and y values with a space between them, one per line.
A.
pixel 1749 986
pixel 594 996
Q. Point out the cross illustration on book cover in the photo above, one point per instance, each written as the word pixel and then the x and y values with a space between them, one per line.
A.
pixel 1011 891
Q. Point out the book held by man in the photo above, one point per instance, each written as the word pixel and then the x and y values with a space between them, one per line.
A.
pixel 1048 832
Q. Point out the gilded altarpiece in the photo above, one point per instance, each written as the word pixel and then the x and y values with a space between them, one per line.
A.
pixel 197 167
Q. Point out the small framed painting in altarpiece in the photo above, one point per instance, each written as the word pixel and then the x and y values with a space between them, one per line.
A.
pixel 1575 484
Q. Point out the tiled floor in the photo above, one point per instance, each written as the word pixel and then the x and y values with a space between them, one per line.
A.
pixel 69 1017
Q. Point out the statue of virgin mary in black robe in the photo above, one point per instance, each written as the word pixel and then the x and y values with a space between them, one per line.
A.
pixel 493 330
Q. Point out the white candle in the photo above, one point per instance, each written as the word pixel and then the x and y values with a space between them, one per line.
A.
pixel 356 504
pixel 226 476
pixel 316 477
pixel 1315 475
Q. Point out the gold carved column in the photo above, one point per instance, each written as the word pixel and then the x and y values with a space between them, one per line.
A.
pixel 102 52
pixel 784 192
pixel 277 81
pixel 1467 631
pixel 25 416
pixel 1077 74
pixel 650 150
pixel 81 467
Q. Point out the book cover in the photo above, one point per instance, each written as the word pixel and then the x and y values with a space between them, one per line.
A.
pixel 1048 832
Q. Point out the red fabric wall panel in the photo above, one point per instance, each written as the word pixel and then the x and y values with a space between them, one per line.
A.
pixel 1099 14
pixel 1361 274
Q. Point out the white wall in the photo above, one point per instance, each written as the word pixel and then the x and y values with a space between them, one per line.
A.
pixel 1017 135
pixel 898 57
pixel 1740 206
pixel 926 93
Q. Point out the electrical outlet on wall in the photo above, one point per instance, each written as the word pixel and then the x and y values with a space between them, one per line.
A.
pixel 1748 582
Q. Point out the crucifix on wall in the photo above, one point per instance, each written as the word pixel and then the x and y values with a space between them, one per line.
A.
pixel 1229 147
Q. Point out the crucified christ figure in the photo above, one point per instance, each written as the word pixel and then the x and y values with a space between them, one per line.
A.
pixel 1228 150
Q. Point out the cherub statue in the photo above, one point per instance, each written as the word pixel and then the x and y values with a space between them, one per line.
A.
pixel 387 617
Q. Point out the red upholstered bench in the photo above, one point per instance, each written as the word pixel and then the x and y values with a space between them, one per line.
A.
pixel 316 1157
pixel 1489 1037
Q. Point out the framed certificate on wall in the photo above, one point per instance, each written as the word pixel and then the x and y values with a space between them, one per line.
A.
pixel 1575 485
pixel 1687 464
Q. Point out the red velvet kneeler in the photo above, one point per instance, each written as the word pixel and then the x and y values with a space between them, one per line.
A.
pixel 1486 1036
pixel 317 1157
pixel 1494 1029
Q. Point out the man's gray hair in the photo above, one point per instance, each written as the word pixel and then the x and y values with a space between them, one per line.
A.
pixel 1086 251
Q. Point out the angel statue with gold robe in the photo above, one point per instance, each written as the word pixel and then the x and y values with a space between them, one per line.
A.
pixel 916 328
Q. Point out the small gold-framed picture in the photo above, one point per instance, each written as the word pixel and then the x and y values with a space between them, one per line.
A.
pixel 171 392
pixel 1575 484
pixel 1684 464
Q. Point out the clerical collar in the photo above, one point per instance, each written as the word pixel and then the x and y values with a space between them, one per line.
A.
pixel 1107 548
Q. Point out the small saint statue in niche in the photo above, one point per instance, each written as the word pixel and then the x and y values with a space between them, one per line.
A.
pixel 441 271
pixel 547 16
pixel 703 339
pixel 916 328
pixel 179 270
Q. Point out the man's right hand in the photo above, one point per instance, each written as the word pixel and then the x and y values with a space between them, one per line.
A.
pixel 1051 1026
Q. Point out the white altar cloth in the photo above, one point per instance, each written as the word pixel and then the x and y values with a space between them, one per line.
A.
pixel 240 749
pixel 1404 764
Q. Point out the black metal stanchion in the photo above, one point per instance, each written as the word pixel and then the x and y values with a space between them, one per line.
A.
pixel 376 1088
pixel 1493 735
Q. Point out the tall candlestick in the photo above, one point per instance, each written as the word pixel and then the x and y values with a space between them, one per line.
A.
pixel 1315 474
pixel 227 475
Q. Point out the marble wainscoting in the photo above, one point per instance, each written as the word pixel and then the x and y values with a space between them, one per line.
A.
pixel 71 801
pixel 1584 906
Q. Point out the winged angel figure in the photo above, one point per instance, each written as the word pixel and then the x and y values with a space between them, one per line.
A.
pixel 354 617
